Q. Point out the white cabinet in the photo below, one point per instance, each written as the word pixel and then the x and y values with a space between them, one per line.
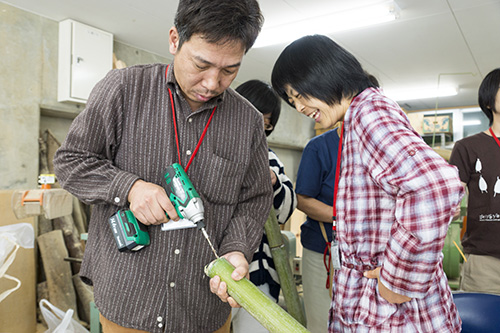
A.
pixel 85 57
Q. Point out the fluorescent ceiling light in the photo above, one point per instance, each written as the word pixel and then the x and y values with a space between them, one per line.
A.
pixel 471 122
pixel 329 23
pixel 420 93
pixel 471 110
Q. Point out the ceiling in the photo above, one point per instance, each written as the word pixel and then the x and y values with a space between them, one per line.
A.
pixel 445 42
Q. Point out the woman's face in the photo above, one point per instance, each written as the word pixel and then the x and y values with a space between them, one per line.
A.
pixel 497 103
pixel 322 113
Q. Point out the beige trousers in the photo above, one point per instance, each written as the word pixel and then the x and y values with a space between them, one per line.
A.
pixel 480 274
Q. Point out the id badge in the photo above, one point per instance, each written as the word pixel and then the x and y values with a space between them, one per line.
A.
pixel 335 255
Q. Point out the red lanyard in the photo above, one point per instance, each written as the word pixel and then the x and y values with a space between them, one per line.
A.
pixel 495 137
pixel 175 129
pixel 326 259
pixel 337 175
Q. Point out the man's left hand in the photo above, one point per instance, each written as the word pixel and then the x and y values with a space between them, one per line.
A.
pixel 218 287
pixel 387 294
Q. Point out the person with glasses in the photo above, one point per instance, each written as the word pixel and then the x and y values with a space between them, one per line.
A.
pixel 262 269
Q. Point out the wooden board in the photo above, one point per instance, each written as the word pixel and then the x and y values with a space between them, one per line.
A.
pixel 57 271
pixel 18 310
pixel 85 296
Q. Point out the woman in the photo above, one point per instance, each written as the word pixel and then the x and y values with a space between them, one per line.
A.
pixel 394 196
pixel 314 189
pixel 261 269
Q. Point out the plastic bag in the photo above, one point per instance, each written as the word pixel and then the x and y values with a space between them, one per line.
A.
pixel 11 238
pixel 59 321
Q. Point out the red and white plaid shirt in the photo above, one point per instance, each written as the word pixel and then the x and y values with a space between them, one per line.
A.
pixel 396 198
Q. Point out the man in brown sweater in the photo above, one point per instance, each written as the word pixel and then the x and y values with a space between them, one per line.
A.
pixel 141 119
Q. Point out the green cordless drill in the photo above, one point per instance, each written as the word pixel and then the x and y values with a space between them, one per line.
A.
pixel 132 235
pixel 181 192
pixel 186 200
pixel 129 233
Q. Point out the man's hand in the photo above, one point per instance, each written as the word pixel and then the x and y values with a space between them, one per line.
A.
pixel 149 202
pixel 218 287
pixel 387 294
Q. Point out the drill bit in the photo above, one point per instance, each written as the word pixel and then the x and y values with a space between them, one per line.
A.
pixel 209 242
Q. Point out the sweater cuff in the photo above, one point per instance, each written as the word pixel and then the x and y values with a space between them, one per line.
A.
pixel 120 187
pixel 235 246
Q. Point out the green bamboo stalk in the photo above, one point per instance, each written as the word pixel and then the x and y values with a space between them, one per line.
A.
pixel 262 308
pixel 282 265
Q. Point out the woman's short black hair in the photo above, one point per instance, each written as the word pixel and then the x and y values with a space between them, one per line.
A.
pixel 316 66
pixel 488 92
pixel 221 21
pixel 263 97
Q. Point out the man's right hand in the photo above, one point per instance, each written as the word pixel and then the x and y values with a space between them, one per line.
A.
pixel 150 204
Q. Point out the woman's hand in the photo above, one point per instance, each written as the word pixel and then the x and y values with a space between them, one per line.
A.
pixel 273 177
pixel 386 294
pixel 457 212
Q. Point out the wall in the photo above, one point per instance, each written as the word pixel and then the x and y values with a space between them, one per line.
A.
pixel 28 98
pixel 23 50
pixel 59 122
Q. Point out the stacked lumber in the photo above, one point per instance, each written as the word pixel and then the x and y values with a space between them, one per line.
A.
pixel 60 249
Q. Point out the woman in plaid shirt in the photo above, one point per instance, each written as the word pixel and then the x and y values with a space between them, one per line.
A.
pixel 394 201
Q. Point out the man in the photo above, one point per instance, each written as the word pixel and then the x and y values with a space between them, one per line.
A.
pixel 138 121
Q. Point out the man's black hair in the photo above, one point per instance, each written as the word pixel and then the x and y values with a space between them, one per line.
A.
pixel 263 97
pixel 316 66
pixel 219 21
pixel 488 92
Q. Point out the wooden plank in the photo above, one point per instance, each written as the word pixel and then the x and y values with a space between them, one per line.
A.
pixel 57 271
pixel 44 225
pixel 85 296
pixel 71 239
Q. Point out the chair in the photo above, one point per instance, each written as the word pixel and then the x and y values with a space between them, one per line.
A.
pixel 479 312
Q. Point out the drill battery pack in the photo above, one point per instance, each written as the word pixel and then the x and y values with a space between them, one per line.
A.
pixel 129 233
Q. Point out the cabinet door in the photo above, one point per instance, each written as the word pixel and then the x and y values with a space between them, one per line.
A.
pixel 91 58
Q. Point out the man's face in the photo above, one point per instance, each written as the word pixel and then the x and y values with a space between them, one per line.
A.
pixel 204 70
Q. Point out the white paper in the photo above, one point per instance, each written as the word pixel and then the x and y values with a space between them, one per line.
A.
pixel 335 255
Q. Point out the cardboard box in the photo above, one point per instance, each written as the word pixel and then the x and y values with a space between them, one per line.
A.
pixel 18 310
